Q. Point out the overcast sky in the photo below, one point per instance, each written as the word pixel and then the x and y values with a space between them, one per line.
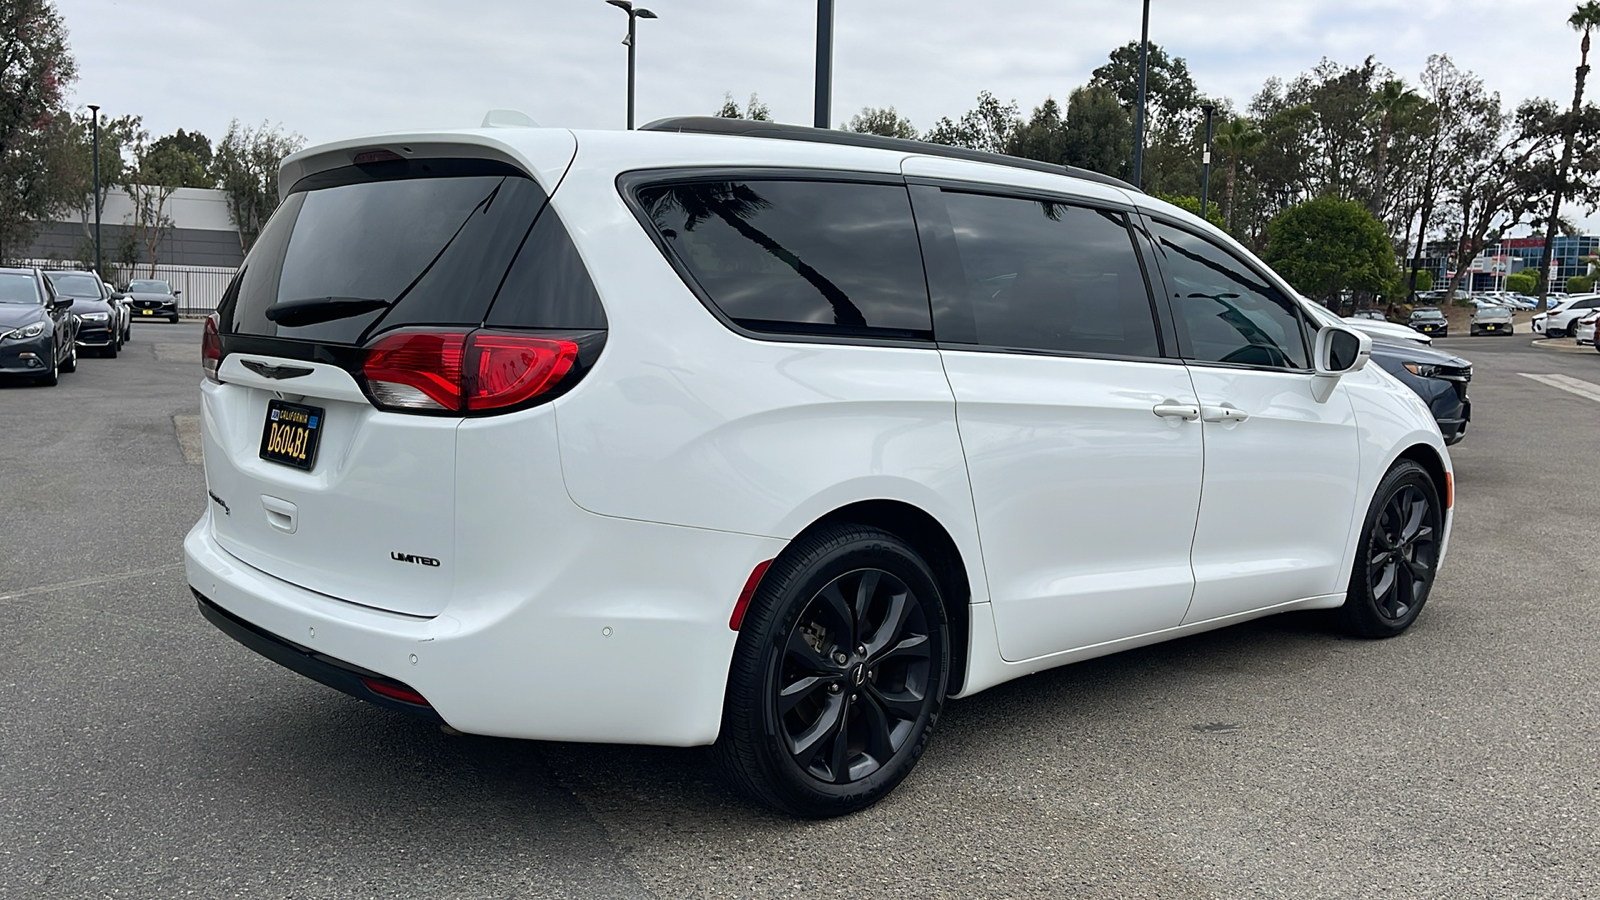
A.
pixel 334 68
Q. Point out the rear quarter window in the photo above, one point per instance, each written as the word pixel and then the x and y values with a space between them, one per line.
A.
pixel 798 256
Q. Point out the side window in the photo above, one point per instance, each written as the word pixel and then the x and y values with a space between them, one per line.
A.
pixel 1042 275
pixel 1225 312
pixel 548 286
pixel 799 257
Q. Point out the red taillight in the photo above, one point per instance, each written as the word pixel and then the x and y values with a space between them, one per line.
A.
pixel 750 585
pixel 416 370
pixel 394 691
pixel 461 372
pixel 511 368
pixel 210 348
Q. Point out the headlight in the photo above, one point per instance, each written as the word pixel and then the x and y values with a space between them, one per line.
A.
pixel 26 331
pixel 1422 370
pixel 96 317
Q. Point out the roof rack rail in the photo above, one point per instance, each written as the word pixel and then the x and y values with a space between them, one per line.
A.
pixel 775 130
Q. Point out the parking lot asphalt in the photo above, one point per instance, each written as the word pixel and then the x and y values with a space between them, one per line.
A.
pixel 144 754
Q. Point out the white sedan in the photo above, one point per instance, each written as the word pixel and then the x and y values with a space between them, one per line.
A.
pixel 1583 329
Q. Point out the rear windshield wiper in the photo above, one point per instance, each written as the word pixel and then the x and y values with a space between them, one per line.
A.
pixel 312 310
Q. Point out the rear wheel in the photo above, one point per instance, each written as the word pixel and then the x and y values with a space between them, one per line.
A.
pixel 838 676
pixel 1398 554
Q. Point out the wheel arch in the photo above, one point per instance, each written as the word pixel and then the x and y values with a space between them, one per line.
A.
pixel 1429 459
pixel 938 549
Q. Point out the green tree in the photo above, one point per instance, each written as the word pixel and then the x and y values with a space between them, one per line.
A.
pixel 1326 246
pixel 1580 284
pixel 882 121
pixel 246 169
pixel 1191 205
pixel 1172 114
pixel 754 110
pixel 187 156
pixel 1236 138
pixel 73 167
pixel 1392 101
pixel 36 68
pixel 1584 19
pixel 1099 134
pixel 988 126
pixel 1042 137
pixel 1522 282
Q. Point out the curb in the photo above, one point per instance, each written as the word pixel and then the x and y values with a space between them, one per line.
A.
pixel 1559 345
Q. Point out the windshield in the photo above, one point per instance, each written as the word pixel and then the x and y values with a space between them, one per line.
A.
pixel 149 287
pixel 1494 312
pixel 1427 314
pixel 16 287
pixel 75 284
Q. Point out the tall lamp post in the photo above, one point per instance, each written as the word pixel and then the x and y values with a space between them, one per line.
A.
pixel 824 96
pixel 1205 162
pixel 635 13
pixel 1138 122
pixel 95 111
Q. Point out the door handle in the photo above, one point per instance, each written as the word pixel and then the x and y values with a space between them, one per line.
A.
pixel 1223 413
pixel 1174 410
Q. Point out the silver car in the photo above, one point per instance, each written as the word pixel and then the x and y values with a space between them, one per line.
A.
pixel 1490 320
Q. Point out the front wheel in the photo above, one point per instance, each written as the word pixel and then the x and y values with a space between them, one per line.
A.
pixel 1398 554
pixel 838 676
pixel 53 377
pixel 70 364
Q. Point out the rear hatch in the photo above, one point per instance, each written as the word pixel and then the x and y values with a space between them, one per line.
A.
pixel 342 354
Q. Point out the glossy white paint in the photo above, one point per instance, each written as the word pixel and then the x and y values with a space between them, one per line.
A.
pixel 1086 498
pixel 596 544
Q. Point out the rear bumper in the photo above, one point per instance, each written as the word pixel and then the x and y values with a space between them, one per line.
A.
pixel 628 642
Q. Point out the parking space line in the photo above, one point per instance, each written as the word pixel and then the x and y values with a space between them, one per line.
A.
pixel 1586 389
pixel 86 582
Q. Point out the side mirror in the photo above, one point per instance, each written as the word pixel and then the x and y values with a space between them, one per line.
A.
pixel 1340 351
pixel 177 293
pixel 63 302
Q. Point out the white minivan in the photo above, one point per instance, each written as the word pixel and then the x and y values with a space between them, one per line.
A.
pixel 771 438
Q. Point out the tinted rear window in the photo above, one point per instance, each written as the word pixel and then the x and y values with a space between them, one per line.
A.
pixel 432 241
pixel 799 256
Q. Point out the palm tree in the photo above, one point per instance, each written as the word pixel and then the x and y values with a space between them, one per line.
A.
pixel 1584 19
pixel 1392 101
pixel 1238 137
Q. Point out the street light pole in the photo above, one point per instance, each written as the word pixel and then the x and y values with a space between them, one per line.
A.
pixel 95 111
pixel 824 93
pixel 1205 162
pixel 1138 124
pixel 634 14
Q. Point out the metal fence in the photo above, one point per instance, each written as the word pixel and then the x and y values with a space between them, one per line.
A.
pixel 202 286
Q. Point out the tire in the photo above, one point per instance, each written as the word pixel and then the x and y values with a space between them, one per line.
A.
pixel 815 727
pixel 52 379
pixel 174 319
pixel 70 364
pixel 1398 555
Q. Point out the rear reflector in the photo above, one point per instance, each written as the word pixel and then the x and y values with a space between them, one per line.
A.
pixel 750 585
pixel 455 372
pixel 1449 490
pixel 394 690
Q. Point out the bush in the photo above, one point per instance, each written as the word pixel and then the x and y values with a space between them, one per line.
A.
pixel 1192 205
pixel 1522 283
pixel 1580 284
pixel 1327 246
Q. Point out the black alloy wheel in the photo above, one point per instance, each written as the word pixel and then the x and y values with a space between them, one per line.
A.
pixel 70 364
pixel 1398 556
pixel 53 377
pixel 838 676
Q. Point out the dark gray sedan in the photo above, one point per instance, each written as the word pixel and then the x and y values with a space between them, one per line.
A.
pixel 149 298
pixel 37 333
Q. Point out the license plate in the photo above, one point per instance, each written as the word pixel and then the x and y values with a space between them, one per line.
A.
pixel 147 312
pixel 291 434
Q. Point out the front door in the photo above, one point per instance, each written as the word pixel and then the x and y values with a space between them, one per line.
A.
pixel 1082 441
pixel 1280 443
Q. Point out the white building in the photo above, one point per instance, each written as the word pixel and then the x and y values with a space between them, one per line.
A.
pixel 201 234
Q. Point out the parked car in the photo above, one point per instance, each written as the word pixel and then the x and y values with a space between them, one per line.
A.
pixel 1373 314
pixel 1583 329
pixel 99 316
pixel 37 329
pixel 1440 379
pixel 126 306
pixel 788 406
pixel 1430 321
pixel 1490 320
pixel 1558 321
pixel 151 297
pixel 1389 330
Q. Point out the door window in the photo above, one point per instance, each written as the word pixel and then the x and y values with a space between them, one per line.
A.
pixel 1225 311
pixel 799 257
pixel 1048 276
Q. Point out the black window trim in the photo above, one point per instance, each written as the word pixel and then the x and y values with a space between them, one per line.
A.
pixel 1166 343
pixel 1270 279
pixel 631 182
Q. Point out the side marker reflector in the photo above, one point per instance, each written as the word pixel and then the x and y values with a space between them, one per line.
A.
pixel 750 585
